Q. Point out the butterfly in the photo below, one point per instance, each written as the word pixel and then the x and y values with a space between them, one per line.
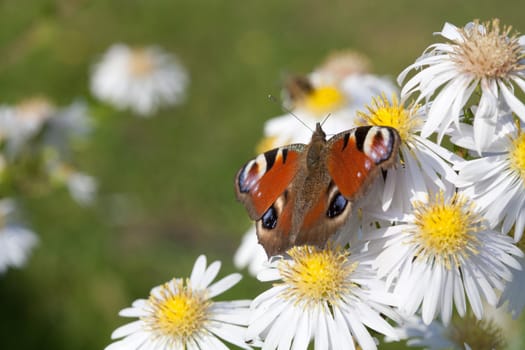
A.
pixel 301 194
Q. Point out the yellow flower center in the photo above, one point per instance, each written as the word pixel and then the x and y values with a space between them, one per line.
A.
pixel 324 99
pixel 446 230
pixel 178 312
pixel 383 113
pixel 315 275
pixel 141 63
pixel 488 52
pixel 517 155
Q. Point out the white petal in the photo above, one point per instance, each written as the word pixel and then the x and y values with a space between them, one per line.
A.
pixel 515 104
pixel 224 284
pixel 321 333
pixel 231 333
pixel 198 270
pixel 209 275
pixel 127 329
pixel 432 296
pixel 303 335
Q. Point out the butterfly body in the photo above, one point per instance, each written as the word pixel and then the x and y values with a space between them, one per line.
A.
pixel 301 194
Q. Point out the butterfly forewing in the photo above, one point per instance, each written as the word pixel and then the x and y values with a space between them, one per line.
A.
pixel 262 180
pixel 355 157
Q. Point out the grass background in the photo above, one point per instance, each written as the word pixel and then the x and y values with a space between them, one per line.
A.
pixel 166 191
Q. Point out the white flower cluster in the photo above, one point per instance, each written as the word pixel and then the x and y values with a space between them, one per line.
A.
pixel 36 148
pixel 427 253
pixel 38 139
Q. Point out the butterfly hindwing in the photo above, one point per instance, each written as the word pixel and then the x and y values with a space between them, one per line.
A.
pixel 355 157
pixel 262 180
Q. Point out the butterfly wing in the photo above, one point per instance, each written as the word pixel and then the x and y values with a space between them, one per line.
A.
pixel 262 180
pixel 355 157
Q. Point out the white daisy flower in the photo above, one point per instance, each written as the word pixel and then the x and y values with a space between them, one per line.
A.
pixel 497 182
pixel 478 56
pixel 442 251
pixel 250 253
pixel 181 314
pixel 461 334
pixel 324 295
pixel 16 241
pixel 425 166
pixel 140 79
pixel 20 123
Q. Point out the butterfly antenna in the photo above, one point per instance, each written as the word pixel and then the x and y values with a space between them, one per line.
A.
pixel 287 110
pixel 326 118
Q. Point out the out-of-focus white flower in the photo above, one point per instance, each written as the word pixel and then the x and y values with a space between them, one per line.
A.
pixel 140 79
pixel 513 297
pixel 250 253
pixel 313 100
pixel 16 241
pixel 479 56
pixel 495 331
pixel 181 314
pixel 311 104
pixel 441 251
pixel 362 88
pixel 341 64
pixel 23 121
pixel 324 295
pixel 82 187
pixel 433 336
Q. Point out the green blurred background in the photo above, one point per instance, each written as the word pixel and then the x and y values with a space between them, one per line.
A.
pixel 166 191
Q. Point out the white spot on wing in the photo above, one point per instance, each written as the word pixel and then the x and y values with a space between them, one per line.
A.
pixel 377 154
pixel 261 162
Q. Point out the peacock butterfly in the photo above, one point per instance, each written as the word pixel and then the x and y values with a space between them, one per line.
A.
pixel 301 194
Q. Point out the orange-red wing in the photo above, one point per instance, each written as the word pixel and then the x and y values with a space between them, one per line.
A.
pixel 354 157
pixel 348 166
pixel 262 180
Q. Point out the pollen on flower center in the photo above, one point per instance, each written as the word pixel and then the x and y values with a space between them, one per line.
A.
pixel 383 113
pixel 315 275
pixel 140 63
pixel 324 99
pixel 179 312
pixel 517 155
pixel 487 51
pixel 446 229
